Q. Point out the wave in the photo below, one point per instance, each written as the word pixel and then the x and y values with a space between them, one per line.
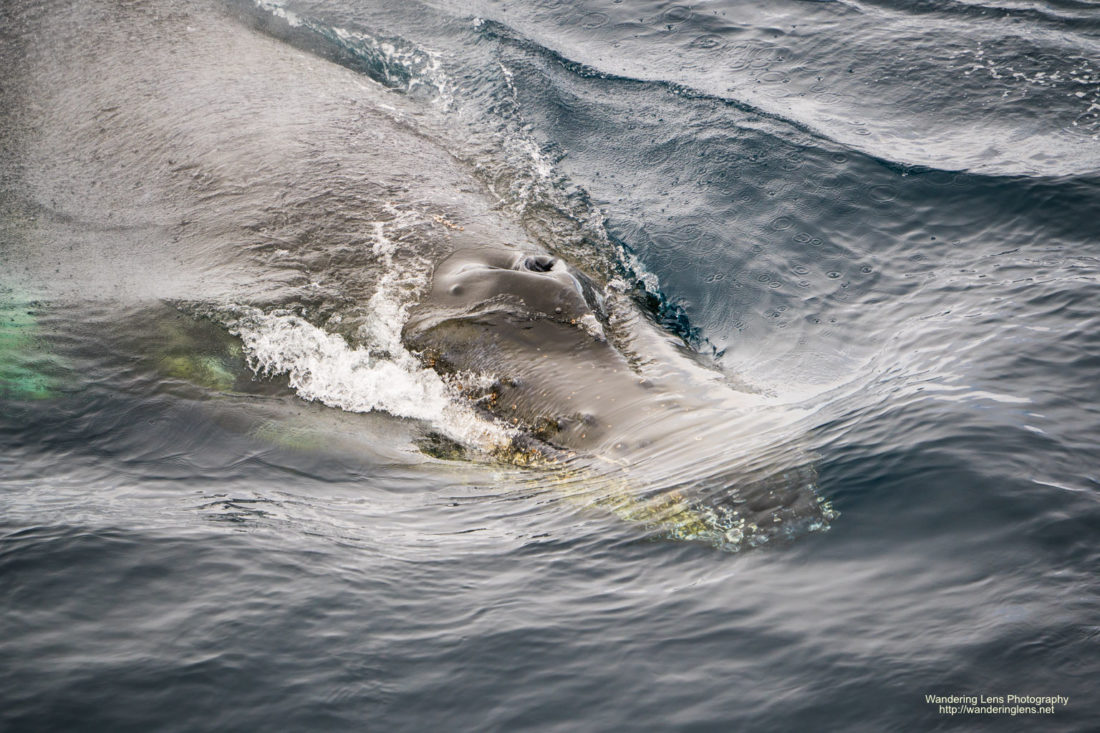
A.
pixel 1080 14
pixel 389 60
pixel 955 141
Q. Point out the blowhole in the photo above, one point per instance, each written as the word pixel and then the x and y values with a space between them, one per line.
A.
pixel 538 263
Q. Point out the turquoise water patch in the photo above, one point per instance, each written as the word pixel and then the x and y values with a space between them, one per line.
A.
pixel 27 369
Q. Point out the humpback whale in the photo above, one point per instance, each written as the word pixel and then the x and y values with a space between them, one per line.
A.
pixel 186 153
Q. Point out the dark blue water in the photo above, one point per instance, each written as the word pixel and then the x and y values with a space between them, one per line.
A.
pixel 885 214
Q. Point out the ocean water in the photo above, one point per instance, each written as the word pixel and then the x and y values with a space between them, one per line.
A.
pixel 232 499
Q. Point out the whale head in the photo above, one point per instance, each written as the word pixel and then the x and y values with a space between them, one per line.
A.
pixel 525 283
pixel 639 425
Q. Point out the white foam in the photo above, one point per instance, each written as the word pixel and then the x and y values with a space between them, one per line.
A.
pixel 381 374
pixel 323 367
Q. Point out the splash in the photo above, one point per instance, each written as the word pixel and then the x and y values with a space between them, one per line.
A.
pixel 377 374
pixel 323 367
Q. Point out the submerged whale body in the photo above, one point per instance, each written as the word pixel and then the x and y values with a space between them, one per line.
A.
pixel 179 153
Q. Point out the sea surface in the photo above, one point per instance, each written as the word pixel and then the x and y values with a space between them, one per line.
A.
pixel 884 214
